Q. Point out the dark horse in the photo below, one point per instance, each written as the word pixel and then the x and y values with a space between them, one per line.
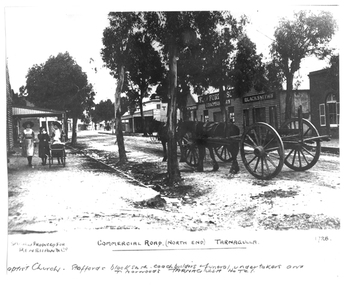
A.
pixel 201 132
pixel 161 129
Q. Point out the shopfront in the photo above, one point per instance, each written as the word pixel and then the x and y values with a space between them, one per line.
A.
pixel 251 108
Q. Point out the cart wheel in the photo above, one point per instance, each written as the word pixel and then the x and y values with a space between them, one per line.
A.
pixel 262 151
pixel 190 149
pixel 223 153
pixel 192 154
pixel 300 153
pixel 63 158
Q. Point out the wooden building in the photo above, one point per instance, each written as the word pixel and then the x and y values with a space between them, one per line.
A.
pixel 244 111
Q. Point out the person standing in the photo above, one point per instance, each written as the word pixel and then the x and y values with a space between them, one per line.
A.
pixel 43 145
pixel 28 137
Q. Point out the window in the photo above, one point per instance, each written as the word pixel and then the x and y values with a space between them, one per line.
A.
pixel 333 110
pixel 245 117
pixel 158 106
pixel 231 114
pixel 273 116
pixel 205 115
pixel 259 115
pixel 322 115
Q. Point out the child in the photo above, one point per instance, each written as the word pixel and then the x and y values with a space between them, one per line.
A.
pixel 43 145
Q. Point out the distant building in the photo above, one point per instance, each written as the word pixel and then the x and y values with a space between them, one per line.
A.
pixel 39 116
pixel 152 109
pixel 325 102
pixel 192 107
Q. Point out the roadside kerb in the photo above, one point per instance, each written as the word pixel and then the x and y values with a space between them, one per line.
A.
pixel 113 168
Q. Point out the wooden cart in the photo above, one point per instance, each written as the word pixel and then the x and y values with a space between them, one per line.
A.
pixel 264 150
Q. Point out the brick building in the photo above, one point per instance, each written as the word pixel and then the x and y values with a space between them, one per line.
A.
pixel 325 102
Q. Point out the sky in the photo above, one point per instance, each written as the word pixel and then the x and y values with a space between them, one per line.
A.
pixel 34 33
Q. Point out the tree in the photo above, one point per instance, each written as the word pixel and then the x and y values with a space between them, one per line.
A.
pixel 306 35
pixel 104 110
pixel 248 70
pixel 117 43
pixel 145 70
pixel 176 31
pixel 61 84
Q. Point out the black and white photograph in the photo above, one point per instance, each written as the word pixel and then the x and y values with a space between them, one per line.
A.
pixel 173 144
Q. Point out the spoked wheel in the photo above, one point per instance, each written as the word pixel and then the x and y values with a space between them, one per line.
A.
pixel 262 151
pixel 63 158
pixel 190 149
pixel 223 153
pixel 192 154
pixel 301 153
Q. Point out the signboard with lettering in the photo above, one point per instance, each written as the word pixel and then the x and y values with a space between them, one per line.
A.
pixel 212 100
pixel 191 108
pixel 258 97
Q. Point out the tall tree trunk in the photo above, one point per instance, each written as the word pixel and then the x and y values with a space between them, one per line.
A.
pixel 222 100
pixel 289 97
pixel 118 118
pixel 74 134
pixel 143 120
pixel 172 162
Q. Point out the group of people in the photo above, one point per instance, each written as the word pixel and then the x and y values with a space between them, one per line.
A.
pixel 28 141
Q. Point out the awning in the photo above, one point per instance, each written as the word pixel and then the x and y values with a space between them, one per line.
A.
pixel 148 113
pixel 26 112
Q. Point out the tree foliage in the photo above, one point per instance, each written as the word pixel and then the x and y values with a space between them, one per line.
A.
pixel 145 70
pixel 306 35
pixel 104 111
pixel 60 84
pixel 117 40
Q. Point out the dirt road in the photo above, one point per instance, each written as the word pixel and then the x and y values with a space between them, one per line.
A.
pixel 216 200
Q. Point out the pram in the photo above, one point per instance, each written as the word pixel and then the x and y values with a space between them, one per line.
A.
pixel 57 150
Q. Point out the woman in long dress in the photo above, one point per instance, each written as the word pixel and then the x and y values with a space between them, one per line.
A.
pixel 43 145
pixel 28 137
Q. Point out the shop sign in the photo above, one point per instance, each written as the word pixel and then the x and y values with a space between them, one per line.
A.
pixel 212 100
pixel 191 108
pixel 258 97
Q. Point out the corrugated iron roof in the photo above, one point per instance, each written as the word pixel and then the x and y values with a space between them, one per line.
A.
pixel 36 112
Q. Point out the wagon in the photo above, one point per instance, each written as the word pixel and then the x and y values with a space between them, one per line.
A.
pixel 57 151
pixel 264 149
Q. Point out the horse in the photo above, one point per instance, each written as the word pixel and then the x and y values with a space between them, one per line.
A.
pixel 161 129
pixel 201 132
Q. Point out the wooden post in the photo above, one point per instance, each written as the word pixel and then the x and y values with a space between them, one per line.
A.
pixel 301 125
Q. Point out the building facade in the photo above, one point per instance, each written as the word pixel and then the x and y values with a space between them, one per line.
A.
pixel 325 102
pixel 244 111
pixel 152 109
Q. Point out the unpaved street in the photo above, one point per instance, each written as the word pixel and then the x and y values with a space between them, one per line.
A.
pixel 216 200
pixel 87 195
